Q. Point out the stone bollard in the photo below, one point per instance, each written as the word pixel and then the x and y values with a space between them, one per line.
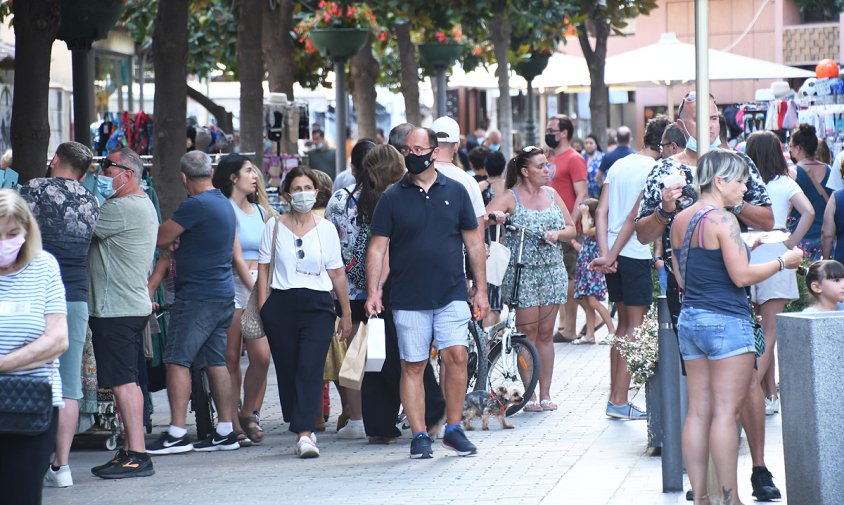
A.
pixel 669 380
pixel 812 394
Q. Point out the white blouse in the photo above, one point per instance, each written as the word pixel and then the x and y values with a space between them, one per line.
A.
pixel 302 262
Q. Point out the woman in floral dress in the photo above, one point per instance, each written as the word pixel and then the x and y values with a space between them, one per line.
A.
pixel 593 154
pixel 590 287
pixel 534 206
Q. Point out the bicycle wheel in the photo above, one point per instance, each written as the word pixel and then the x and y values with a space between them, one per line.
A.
pixel 200 401
pixel 478 363
pixel 517 369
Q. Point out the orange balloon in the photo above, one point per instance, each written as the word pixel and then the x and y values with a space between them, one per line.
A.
pixel 826 68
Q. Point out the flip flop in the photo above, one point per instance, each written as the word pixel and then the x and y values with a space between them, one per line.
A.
pixel 583 340
pixel 548 405
pixel 533 406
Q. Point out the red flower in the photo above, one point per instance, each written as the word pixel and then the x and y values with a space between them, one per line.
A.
pixel 382 36
pixel 440 36
pixel 476 51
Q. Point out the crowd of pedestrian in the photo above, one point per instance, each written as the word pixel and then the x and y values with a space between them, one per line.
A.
pixel 603 226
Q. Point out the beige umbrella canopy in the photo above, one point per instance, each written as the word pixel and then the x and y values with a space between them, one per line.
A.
pixel 482 78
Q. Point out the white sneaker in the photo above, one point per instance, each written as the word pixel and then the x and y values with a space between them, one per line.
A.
pixel 59 478
pixel 306 447
pixel 352 430
pixel 772 405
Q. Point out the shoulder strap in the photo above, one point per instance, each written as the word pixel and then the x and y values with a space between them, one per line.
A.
pixel 515 195
pixel 682 258
pixel 260 211
pixel 817 185
pixel 272 255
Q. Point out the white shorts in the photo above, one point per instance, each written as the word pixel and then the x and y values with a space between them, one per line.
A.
pixel 241 291
pixel 447 326
pixel 781 285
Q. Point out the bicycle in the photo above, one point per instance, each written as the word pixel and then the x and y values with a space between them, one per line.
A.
pixel 513 359
pixel 477 361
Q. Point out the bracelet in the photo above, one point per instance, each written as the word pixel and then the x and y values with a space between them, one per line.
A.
pixel 781 262
pixel 663 215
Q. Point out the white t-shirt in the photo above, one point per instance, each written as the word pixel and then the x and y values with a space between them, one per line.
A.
pixel 626 180
pixel 780 189
pixel 320 251
pixel 468 182
pixel 835 182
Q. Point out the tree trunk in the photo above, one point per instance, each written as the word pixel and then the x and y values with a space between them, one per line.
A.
pixel 223 117
pixel 364 73
pixel 36 25
pixel 170 57
pixel 500 36
pixel 409 74
pixel 251 66
pixel 599 101
pixel 279 51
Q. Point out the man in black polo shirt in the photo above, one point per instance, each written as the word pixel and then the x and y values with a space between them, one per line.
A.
pixel 424 220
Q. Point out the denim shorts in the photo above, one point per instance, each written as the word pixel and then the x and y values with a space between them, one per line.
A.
pixel 197 332
pixel 703 333
pixel 447 326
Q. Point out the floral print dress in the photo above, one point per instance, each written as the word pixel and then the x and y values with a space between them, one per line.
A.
pixel 593 189
pixel 587 282
pixel 343 213
pixel 544 280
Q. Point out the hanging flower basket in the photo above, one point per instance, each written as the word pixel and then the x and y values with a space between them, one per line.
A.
pixel 88 20
pixel 339 42
pixel 440 55
pixel 531 68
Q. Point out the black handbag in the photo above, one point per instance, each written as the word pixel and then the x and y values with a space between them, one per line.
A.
pixel 26 404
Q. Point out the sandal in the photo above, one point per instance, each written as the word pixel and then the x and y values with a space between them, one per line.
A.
pixel 242 439
pixel 533 406
pixel 548 405
pixel 584 340
pixel 251 428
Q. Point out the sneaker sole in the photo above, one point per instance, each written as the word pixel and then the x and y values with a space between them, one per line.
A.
pixel 460 453
pixel 140 473
pixel 176 449
pixel 221 447
pixel 309 454
pixel 422 456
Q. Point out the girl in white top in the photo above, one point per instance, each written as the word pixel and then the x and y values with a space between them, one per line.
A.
pixel 771 295
pixel 299 315
pixel 238 179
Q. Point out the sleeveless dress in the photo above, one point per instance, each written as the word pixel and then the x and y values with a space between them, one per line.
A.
pixel 543 280
pixel 587 282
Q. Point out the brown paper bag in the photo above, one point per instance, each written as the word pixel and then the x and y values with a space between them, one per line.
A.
pixel 351 372
pixel 335 356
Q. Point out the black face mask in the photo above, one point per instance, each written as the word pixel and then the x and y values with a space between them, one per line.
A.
pixel 551 140
pixel 417 164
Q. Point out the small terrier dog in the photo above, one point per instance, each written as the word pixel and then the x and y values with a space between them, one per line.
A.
pixel 484 404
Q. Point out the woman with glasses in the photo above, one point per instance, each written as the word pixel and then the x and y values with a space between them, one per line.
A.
pixel 299 315
pixel 593 154
pixel 544 283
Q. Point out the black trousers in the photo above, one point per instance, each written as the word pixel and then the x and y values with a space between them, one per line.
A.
pixel 299 324
pixel 23 463
pixel 380 392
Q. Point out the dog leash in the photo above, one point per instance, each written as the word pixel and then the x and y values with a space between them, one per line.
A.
pixel 492 396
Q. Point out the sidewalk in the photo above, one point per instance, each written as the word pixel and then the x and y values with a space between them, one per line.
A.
pixel 575 455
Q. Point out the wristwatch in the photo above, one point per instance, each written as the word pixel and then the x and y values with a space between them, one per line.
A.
pixel 737 208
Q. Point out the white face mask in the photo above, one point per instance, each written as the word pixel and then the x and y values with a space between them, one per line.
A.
pixel 303 201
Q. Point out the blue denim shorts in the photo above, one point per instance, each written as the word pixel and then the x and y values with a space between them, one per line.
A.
pixel 448 326
pixel 197 332
pixel 703 333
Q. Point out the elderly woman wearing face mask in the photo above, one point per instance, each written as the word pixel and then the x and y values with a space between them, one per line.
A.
pixel 298 315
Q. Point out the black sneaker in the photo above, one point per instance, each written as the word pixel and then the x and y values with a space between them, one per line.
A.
pixel 456 441
pixel 217 442
pixel 135 464
pixel 168 444
pixel 420 447
pixel 763 485
pixel 119 456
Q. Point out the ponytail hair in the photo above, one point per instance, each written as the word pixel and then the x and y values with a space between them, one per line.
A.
pixel 516 164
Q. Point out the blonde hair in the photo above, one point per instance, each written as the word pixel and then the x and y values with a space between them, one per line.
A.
pixel 719 163
pixel 13 205
pixel 261 192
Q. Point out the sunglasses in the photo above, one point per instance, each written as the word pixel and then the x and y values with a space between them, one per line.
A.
pixel 691 97
pixel 105 163
pixel 299 252
pixel 530 149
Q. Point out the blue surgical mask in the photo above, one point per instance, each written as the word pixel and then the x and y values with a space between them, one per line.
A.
pixel 691 143
pixel 494 147
pixel 105 187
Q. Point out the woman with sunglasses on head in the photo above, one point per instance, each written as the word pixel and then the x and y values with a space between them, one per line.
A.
pixel 543 285
pixel 299 315
pixel 238 179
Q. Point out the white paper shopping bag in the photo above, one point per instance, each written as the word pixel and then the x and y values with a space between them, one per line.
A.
pixel 376 349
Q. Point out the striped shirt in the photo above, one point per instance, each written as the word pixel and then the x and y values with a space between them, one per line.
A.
pixel 26 296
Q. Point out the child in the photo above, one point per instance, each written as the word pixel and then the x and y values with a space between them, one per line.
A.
pixel 590 287
pixel 825 280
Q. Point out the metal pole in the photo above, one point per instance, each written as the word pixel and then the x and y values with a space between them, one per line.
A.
pixel 669 370
pixel 702 74
pixel 530 127
pixel 441 95
pixel 341 104
pixel 83 90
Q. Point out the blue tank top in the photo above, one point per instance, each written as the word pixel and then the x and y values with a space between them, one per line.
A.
pixel 250 229
pixel 839 225
pixel 708 285
pixel 816 199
